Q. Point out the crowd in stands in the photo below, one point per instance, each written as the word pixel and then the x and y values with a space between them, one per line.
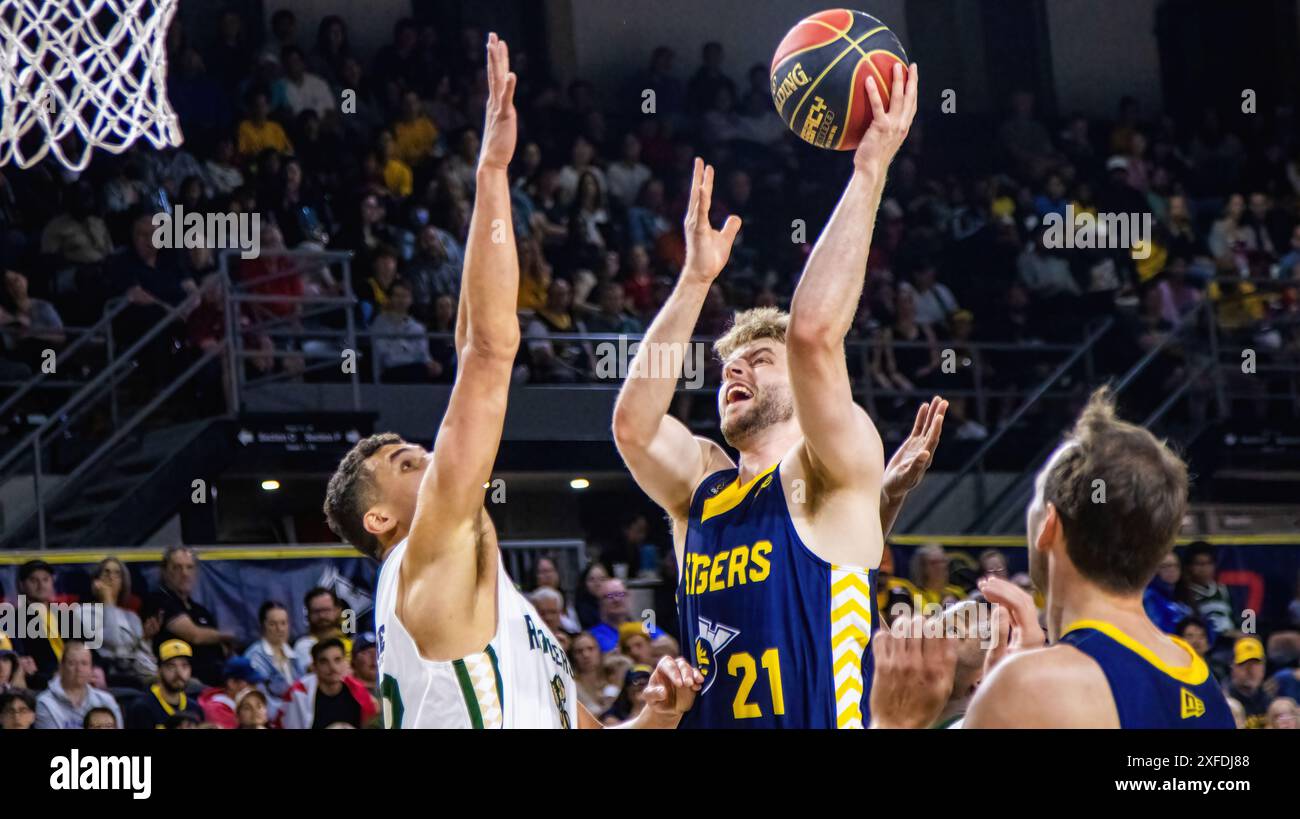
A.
pixel 161 660
pixel 376 157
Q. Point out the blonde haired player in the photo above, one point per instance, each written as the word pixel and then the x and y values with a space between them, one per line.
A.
pixel 777 552
pixel 459 646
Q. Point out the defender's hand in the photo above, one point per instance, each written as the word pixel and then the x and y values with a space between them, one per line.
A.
pixel 671 689
pixel 707 250
pixel 1015 621
pixel 913 458
pixel 501 125
pixel 914 676
pixel 888 128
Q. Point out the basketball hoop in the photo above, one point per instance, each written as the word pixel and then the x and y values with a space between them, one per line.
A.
pixel 76 75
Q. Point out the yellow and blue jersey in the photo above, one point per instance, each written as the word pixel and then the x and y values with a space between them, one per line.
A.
pixel 1148 692
pixel 779 634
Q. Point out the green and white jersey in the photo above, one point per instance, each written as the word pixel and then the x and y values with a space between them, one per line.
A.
pixel 522 679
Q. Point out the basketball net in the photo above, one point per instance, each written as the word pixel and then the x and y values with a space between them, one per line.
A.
pixel 76 75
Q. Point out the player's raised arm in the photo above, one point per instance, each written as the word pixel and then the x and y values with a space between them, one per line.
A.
pixel 842 441
pixel 661 453
pixel 451 493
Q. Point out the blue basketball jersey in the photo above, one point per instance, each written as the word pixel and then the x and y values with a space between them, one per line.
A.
pixel 1148 692
pixel 779 634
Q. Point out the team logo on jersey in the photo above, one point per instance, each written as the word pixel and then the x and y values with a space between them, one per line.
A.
pixel 713 637
pixel 1191 705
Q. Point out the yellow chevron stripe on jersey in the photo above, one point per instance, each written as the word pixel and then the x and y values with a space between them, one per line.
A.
pixel 850 632
pixel 731 495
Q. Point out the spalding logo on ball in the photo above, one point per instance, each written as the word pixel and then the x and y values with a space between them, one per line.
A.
pixel 820 72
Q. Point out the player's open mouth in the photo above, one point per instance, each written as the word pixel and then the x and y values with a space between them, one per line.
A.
pixel 737 393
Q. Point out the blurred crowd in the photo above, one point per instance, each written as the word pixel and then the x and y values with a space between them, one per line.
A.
pixel 160 659
pixel 377 157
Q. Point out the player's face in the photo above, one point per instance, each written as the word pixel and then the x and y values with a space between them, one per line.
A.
pixel 755 392
pixel 398 470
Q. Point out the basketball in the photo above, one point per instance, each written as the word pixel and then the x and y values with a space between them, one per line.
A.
pixel 819 75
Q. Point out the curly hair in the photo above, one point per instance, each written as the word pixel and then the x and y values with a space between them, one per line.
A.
pixel 351 491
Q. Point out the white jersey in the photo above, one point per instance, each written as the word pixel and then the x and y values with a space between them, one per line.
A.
pixel 522 679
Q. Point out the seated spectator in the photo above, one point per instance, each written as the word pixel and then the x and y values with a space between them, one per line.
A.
pixel 28 326
pixel 252 712
pixel 78 235
pixel 1288 267
pixel 324 622
pixel 70 695
pixel 547 576
pixel 935 303
pixel 1024 138
pixel 1246 683
pixel 397 174
pixel 374 293
pixel 1164 596
pixel 614 612
pixel 552 360
pixel 127 647
pixel 219 703
pixel 589 224
pixel 100 718
pixel 594 692
pixel 415 135
pixel 401 343
pixel 302 90
pixel 12 675
pixel 930 575
pixel 259 132
pixel 222 172
pixel 1283 713
pixel 1230 242
pixel 1211 600
pixel 329 694
pixel 41 654
pixel 611 315
pixel 365 662
pixel 1046 274
pixel 1196 634
pixel 631 699
pixel 272 655
pixel 587 599
pixel 628 175
pixel 435 270
pixel 634 642
pixel 17 709
pixel 993 564
pixel 905 368
pixel 166 697
pixel 550 607
pixel 582 159
pixel 184 618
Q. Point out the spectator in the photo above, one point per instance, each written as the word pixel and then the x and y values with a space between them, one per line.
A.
pixel 252 712
pixel 222 172
pixel 1165 596
pixel 42 654
pixel 930 575
pixel 78 235
pixel 611 315
pixel 435 270
pixel 365 662
pixel 12 675
pixel 166 697
pixel 28 326
pixel 614 612
pixel 589 673
pixel 414 133
pixel 547 576
pixel 220 703
pixel 1288 267
pixel 705 83
pixel 127 644
pixel 258 132
pixel 397 174
pixel 1283 713
pixel 631 699
pixel 1196 634
pixel 1046 274
pixel 401 343
pixel 634 642
pixel 302 90
pixel 552 360
pixel 550 607
pixel 17 709
pixel 328 695
pixel 229 58
pixel 993 564
pixel 272 655
pixel 284 34
pixel 331 49
pixel 587 600
pixel 1246 684
pixel 70 695
pixel 905 368
pixel 324 621
pixel 935 303
pixel 581 162
pixel 100 718
pixel 1024 138
pixel 184 618
pixel 1211 600
pixel 628 175
pixel 374 293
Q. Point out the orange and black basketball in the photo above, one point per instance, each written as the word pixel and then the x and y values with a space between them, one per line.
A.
pixel 820 71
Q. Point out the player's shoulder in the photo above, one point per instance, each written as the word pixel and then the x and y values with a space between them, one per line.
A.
pixel 1057 686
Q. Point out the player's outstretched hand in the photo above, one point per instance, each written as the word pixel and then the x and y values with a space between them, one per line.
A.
pixel 1015 621
pixel 500 127
pixel 913 458
pixel 707 250
pixel 672 686
pixel 888 127
pixel 914 675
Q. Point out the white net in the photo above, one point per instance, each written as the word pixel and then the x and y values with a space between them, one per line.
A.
pixel 76 75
